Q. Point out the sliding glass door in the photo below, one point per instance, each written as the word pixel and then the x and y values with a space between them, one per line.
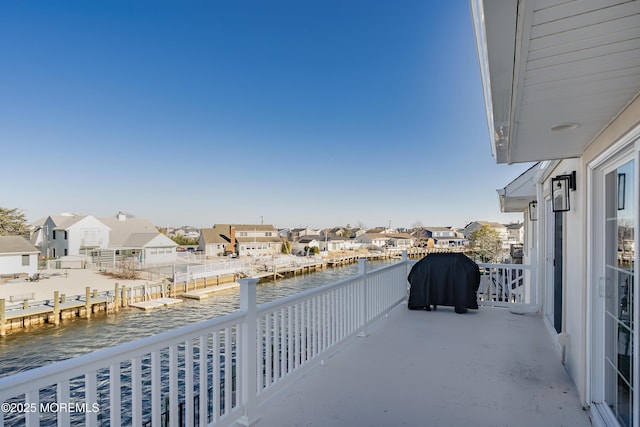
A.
pixel 619 290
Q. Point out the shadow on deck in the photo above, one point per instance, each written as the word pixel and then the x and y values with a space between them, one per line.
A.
pixel 487 367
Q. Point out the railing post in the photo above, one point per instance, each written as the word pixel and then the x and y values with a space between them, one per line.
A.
pixel 249 360
pixel 362 272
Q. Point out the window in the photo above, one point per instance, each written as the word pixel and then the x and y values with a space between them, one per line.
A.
pixel 54 235
pixel 65 235
pixel 25 260
pixel 65 252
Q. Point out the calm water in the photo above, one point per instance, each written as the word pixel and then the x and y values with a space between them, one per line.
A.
pixel 46 344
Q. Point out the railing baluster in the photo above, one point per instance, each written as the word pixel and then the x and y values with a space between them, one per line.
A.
pixel 63 395
pixel 228 369
pixel 91 398
pixel 283 343
pixel 32 400
pixel 269 350
pixel 216 382
pixel 290 339
pixel 136 391
pixel 173 385
pixel 156 391
pixel 202 383
pixel 188 383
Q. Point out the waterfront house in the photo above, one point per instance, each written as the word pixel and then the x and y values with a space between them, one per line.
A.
pixel 105 240
pixel 240 239
pixel 561 83
pixel 400 240
pixel 307 241
pixel 332 242
pixel 214 242
pixel 70 234
pixel 138 238
pixel 373 239
pixel 17 256
pixel 442 237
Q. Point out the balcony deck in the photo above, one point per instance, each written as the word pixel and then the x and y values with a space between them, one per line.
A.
pixel 483 368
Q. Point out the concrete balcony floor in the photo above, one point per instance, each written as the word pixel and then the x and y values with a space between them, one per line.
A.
pixel 486 367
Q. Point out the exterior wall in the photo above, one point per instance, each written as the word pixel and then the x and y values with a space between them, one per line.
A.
pixel 574 274
pixel 88 232
pixel 159 255
pixel 579 287
pixel 12 264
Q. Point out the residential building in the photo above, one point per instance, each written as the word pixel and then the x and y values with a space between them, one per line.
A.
pixel 400 240
pixel 443 237
pixel 106 240
pixel 373 239
pixel 17 256
pixel 240 239
pixel 304 242
pixel 561 83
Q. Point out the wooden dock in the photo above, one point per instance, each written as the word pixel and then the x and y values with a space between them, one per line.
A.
pixel 50 312
pixel 204 293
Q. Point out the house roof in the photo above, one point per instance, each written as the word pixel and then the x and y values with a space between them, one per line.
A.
pixel 555 73
pixel 63 222
pixel 398 236
pixel 376 236
pixel 132 232
pixel 248 227
pixel 16 245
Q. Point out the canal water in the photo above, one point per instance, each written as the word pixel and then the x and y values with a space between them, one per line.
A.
pixel 46 344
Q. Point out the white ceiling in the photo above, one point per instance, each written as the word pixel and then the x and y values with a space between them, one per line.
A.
pixel 547 63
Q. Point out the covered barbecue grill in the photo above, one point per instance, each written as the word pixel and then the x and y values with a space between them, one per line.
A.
pixel 444 279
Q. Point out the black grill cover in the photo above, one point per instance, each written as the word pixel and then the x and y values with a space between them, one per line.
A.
pixel 444 279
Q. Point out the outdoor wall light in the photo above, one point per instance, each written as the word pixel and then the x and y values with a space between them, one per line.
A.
pixel 560 186
pixel 533 211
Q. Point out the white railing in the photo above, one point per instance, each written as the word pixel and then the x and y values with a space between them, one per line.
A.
pixel 219 268
pixel 216 372
pixel 505 285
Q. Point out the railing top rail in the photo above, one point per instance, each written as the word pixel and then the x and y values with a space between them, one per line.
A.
pixel 283 302
pixel 512 266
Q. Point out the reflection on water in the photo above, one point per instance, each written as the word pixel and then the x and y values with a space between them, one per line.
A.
pixel 48 343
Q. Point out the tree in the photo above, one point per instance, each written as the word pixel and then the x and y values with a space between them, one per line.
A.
pixel 181 240
pixel 286 247
pixel 486 244
pixel 13 223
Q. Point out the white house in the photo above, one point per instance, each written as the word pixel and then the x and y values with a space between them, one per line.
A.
pixel 70 234
pixel 17 256
pixel 104 239
pixel 139 238
pixel 307 241
pixel 400 240
pixel 561 84
pixel 373 239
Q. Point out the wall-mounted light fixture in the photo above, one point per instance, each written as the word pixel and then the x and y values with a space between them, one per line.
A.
pixel 560 186
pixel 533 211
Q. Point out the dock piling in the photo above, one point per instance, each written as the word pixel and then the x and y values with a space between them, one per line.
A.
pixel 116 298
pixel 87 294
pixel 3 318
pixel 56 308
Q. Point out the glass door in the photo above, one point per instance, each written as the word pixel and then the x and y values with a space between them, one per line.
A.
pixel 619 292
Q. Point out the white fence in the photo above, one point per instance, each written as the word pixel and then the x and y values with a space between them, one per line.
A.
pixel 505 284
pixel 215 372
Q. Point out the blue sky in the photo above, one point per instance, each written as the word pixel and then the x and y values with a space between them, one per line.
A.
pixel 312 113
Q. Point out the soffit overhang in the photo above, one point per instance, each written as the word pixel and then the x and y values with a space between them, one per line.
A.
pixel 555 63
